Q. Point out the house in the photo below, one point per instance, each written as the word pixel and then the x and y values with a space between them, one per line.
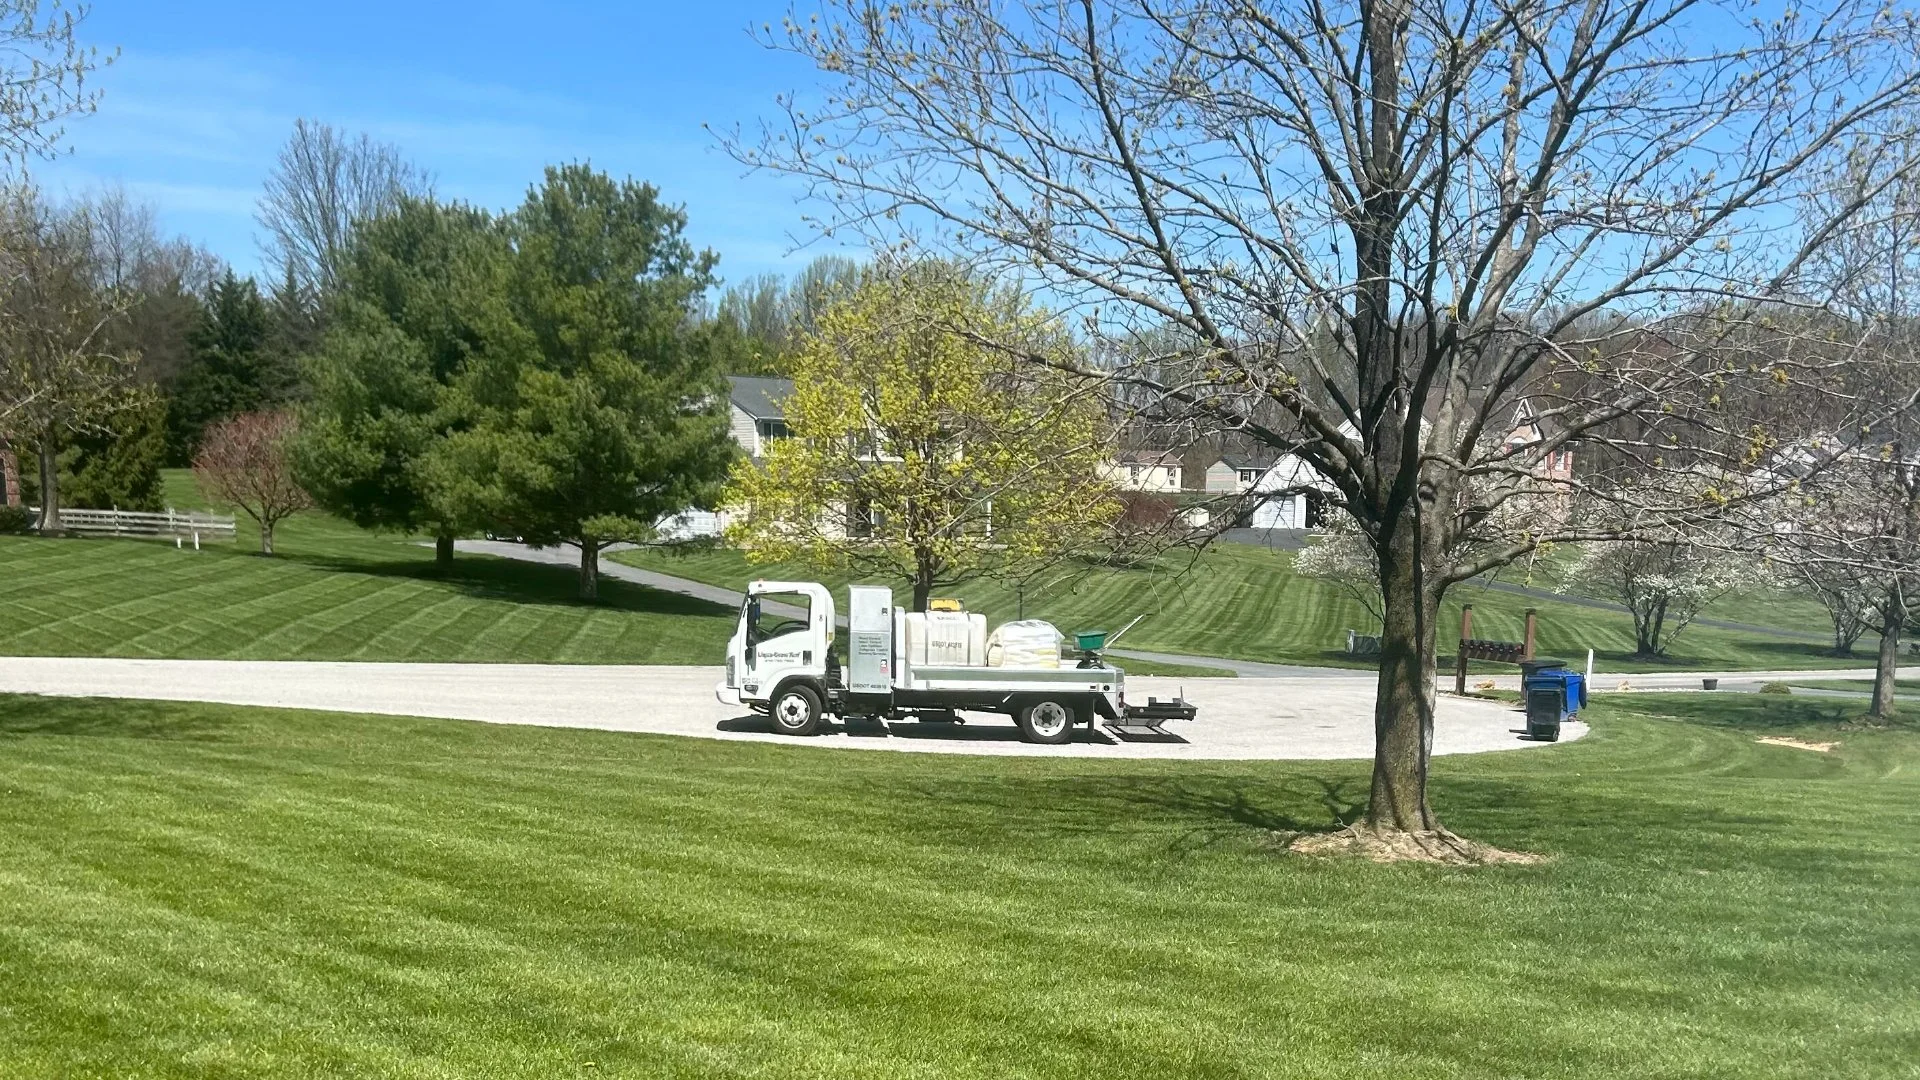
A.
pixel 1144 470
pixel 1528 430
pixel 756 420
pixel 1236 474
pixel 1297 496
pixel 757 417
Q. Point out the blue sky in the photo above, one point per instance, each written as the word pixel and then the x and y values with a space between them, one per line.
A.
pixel 482 93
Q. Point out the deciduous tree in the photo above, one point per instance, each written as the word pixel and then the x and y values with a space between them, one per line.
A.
pixel 325 182
pixel 61 373
pixel 44 67
pixel 919 452
pixel 1381 224
pixel 1664 584
pixel 246 461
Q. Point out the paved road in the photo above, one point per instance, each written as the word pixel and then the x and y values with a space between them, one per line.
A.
pixel 1738 681
pixel 1247 719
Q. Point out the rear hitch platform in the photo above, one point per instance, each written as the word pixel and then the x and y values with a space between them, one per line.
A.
pixel 1149 721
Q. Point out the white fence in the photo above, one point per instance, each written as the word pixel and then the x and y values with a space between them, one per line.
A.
pixel 180 525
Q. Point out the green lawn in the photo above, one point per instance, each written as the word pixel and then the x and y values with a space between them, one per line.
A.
pixel 334 592
pixel 201 891
pixel 1900 686
pixel 1246 603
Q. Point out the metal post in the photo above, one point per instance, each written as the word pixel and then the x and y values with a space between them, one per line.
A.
pixel 1531 613
pixel 1460 655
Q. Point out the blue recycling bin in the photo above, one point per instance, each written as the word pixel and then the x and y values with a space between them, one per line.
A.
pixel 1552 696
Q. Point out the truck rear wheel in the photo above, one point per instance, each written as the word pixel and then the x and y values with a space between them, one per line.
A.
pixel 796 710
pixel 1048 721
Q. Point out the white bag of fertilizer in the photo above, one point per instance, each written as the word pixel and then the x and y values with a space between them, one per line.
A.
pixel 1028 643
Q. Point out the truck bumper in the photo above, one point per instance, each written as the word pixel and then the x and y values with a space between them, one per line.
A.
pixel 727 695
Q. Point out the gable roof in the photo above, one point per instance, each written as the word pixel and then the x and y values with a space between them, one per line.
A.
pixel 1148 457
pixel 759 396
pixel 1238 462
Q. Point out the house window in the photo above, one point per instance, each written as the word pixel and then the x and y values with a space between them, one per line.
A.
pixel 1134 472
pixel 772 429
pixel 1249 476
pixel 1173 476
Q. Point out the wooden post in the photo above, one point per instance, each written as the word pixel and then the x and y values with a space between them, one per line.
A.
pixel 1460 654
pixel 1531 615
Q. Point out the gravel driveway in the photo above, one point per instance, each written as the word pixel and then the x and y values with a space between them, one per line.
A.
pixel 1304 718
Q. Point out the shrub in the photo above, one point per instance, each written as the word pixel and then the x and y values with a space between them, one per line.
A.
pixel 1776 688
pixel 15 521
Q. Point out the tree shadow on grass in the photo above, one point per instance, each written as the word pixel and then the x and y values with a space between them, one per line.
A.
pixel 26 715
pixel 1202 811
pixel 518 583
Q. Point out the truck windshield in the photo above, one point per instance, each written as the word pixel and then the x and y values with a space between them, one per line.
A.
pixel 773 614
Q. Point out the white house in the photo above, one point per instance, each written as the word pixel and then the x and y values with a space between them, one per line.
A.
pixel 1144 470
pixel 1280 492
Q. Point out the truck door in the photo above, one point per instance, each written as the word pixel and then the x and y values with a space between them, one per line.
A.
pixel 780 640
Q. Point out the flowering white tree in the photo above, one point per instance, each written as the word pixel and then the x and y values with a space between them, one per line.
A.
pixel 1664 584
pixel 1342 556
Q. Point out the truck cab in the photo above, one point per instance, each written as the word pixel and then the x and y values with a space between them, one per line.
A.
pixel 782 638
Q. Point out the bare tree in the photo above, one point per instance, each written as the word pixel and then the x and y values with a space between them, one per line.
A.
pixel 43 70
pixel 1383 223
pixel 1853 530
pixel 164 280
pixel 322 184
pixel 61 371
pixel 246 460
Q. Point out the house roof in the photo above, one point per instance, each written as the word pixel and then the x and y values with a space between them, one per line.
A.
pixel 759 396
pixel 1148 457
pixel 1237 462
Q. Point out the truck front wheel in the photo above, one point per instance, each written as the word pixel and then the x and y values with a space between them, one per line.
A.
pixel 1046 721
pixel 796 711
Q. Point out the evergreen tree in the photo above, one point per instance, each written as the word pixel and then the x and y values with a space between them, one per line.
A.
pixel 419 293
pixel 117 466
pixel 596 412
pixel 229 370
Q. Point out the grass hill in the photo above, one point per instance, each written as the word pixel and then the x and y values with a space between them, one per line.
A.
pixel 199 891
pixel 334 592
pixel 1245 602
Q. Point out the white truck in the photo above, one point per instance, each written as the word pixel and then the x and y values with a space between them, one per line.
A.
pixel 781 661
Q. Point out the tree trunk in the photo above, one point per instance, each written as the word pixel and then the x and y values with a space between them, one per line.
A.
pixel 49 488
pixel 443 551
pixel 1656 625
pixel 1892 620
pixel 10 473
pixel 1403 710
pixel 590 570
pixel 266 538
